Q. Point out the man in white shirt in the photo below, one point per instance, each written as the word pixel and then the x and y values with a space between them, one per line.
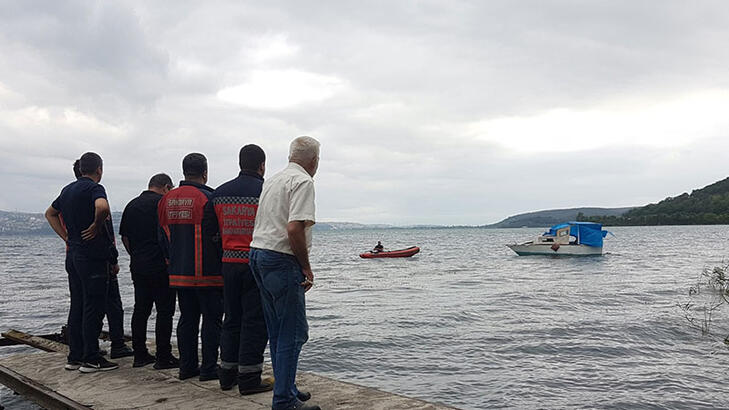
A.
pixel 279 260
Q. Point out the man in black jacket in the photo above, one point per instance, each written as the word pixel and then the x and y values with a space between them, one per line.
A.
pixel 139 230
pixel 233 206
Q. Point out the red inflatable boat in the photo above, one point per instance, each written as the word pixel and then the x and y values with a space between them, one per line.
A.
pixel 402 253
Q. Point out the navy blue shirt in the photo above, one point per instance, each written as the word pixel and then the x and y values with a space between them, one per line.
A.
pixel 140 225
pixel 76 205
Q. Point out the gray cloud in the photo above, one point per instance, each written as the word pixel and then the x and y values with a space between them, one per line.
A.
pixel 401 95
pixel 81 54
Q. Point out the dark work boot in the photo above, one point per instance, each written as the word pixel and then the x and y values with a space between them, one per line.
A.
pixel 303 406
pixel 228 377
pixel 251 383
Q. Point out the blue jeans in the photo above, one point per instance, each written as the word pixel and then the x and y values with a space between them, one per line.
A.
pixel 279 278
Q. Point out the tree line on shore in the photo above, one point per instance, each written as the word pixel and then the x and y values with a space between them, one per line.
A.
pixel 705 206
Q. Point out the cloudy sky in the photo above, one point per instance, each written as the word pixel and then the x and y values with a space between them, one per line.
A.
pixel 433 111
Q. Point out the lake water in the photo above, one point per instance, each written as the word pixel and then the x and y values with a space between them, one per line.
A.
pixel 468 323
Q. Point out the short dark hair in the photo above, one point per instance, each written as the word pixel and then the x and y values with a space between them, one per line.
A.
pixel 251 157
pixel 77 169
pixel 89 163
pixel 194 165
pixel 160 181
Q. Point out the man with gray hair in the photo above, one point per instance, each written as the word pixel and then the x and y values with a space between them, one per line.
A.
pixel 279 260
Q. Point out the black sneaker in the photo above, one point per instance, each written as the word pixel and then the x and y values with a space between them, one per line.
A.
pixel 119 352
pixel 167 363
pixel 144 360
pixel 303 395
pixel 101 365
pixel 72 365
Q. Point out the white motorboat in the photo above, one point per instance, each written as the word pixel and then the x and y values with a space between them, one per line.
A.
pixel 569 238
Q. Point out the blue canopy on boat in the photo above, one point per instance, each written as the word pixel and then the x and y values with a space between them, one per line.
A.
pixel 587 233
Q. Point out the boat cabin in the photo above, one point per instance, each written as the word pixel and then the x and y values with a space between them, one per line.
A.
pixel 560 236
pixel 574 233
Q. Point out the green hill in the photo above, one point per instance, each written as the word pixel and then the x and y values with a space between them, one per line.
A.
pixel 706 206
pixel 540 219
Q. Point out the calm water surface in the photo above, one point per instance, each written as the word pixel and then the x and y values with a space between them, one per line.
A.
pixel 467 322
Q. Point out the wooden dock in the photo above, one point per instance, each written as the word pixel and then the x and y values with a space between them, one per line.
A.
pixel 41 378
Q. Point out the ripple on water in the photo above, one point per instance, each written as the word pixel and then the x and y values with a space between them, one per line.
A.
pixel 471 324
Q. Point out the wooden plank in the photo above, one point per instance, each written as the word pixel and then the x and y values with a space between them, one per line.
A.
pixel 35 341
pixel 19 339
pixel 10 342
pixel 36 392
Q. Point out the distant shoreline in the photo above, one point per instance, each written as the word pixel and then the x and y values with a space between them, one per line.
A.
pixel 50 233
pixel 27 223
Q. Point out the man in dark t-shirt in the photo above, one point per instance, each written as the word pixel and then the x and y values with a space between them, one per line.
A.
pixel 114 308
pixel 93 257
pixel 140 231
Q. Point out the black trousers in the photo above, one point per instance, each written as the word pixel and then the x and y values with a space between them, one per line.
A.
pixel 194 303
pixel 244 334
pixel 115 313
pixel 88 282
pixel 153 289
pixel 74 325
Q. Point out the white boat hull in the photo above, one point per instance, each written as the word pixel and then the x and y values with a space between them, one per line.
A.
pixel 546 249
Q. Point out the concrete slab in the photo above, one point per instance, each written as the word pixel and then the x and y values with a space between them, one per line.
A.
pixel 146 388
